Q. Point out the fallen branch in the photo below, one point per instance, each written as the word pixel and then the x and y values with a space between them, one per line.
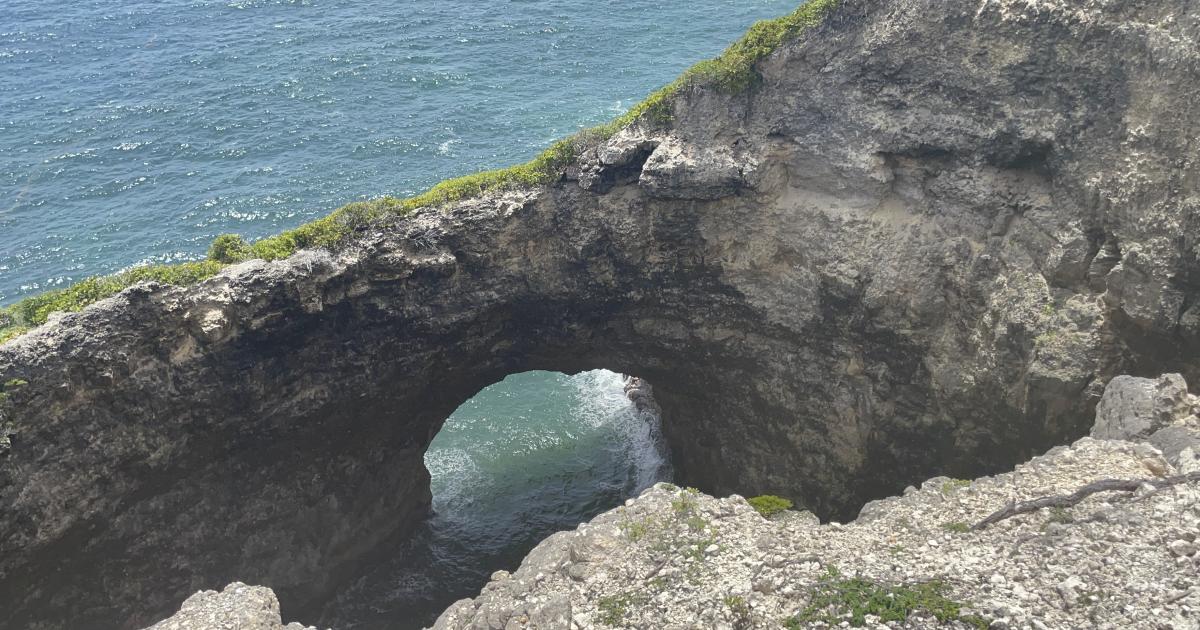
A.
pixel 1067 500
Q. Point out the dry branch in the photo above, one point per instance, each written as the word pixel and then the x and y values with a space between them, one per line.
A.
pixel 1067 500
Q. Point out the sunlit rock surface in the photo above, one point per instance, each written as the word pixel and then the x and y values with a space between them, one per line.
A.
pixel 921 246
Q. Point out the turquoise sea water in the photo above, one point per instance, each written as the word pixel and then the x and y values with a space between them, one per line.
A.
pixel 135 131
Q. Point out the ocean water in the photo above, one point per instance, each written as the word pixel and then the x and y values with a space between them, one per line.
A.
pixel 134 131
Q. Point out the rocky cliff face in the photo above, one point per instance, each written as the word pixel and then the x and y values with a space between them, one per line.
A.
pixel 676 558
pixel 920 246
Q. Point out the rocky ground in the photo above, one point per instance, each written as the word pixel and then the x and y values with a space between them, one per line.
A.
pixel 677 558
pixel 238 607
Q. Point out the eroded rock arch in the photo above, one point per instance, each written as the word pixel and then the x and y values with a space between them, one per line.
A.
pixel 879 265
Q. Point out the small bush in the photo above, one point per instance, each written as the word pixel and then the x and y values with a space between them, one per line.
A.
pixel 228 248
pixel 835 599
pixel 634 530
pixel 770 505
pixel 956 527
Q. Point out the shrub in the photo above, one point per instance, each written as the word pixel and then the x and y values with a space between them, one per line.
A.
pixel 228 248
pixel 770 505
pixel 835 599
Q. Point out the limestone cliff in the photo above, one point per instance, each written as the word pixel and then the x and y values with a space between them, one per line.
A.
pixel 675 558
pixel 920 245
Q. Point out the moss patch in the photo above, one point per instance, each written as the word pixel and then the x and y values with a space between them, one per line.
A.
pixel 770 505
pixel 732 71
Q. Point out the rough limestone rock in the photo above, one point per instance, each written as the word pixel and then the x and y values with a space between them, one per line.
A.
pixel 1133 408
pixel 238 607
pixel 919 246
pixel 676 558
pixel 1180 444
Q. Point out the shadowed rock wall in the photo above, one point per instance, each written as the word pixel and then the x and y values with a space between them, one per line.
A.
pixel 919 247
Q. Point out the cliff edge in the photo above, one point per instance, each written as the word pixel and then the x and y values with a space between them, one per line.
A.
pixel 918 243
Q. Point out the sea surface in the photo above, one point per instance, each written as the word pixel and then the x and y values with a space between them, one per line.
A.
pixel 135 131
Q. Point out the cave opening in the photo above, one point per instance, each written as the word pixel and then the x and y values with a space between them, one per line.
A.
pixel 536 453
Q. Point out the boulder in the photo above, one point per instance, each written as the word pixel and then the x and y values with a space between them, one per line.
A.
pixel 1133 408
pixel 238 607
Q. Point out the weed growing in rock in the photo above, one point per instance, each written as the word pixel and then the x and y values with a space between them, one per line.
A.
pixel 836 598
pixel 739 611
pixel 957 527
pixel 769 505
pixel 634 530
pixel 614 608
pixel 1060 515
pixel 684 505
pixel 696 523
pixel 951 485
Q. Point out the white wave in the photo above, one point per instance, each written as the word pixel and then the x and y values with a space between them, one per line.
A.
pixel 603 402
pixel 453 470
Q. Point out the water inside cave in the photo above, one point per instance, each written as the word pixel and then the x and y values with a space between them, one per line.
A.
pixel 536 453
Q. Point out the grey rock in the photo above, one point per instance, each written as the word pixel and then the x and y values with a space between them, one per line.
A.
pixel 1133 408
pixel 238 607
pixel 1182 548
pixel 1180 446
pixel 917 247
pixel 678 170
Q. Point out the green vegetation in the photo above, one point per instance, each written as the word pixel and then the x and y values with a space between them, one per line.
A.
pixel 739 610
pixel 770 505
pixel 836 599
pixel 733 71
pixel 951 485
pixel 1060 515
pixel 15 382
pixel 684 505
pixel 229 248
pixel 35 310
pixel 634 530
pixel 613 608
pixel 957 527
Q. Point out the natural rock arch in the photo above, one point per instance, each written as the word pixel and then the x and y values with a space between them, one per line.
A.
pixel 879 265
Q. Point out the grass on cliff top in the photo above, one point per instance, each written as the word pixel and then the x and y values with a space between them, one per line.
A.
pixel 731 72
